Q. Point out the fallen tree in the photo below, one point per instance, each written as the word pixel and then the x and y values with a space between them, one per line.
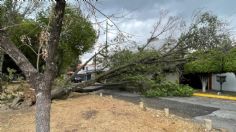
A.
pixel 68 87
pixel 165 56
pixel 63 92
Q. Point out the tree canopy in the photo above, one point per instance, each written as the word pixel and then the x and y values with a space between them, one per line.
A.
pixel 205 62
pixel 208 44
pixel 78 35
pixel 207 32
pixel 230 61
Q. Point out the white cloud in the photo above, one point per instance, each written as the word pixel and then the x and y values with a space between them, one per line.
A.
pixel 144 13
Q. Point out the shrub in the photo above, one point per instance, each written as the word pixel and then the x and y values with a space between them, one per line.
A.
pixel 169 89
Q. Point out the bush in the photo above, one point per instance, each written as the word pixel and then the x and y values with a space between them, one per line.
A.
pixel 169 89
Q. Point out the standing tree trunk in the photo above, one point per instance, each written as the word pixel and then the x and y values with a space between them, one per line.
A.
pixel 43 88
pixel 204 80
pixel 40 82
pixel 43 106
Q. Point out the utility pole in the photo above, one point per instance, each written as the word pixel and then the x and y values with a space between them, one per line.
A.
pixel 95 62
pixel 106 44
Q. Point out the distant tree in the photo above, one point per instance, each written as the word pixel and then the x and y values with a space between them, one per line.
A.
pixel 12 18
pixel 208 41
pixel 77 37
pixel 230 61
pixel 25 37
pixel 205 63
pixel 207 32
pixel 12 14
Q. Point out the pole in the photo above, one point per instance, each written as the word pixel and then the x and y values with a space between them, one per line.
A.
pixel 221 87
pixel 95 65
pixel 106 38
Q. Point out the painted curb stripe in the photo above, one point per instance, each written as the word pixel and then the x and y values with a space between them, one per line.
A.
pixel 215 96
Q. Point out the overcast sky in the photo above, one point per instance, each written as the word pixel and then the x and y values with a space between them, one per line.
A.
pixel 142 14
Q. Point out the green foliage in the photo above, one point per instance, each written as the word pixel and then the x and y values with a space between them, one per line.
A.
pixel 214 61
pixel 11 73
pixel 126 57
pixel 230 61
pixel 137 83
pixel 210 43
pixel 29 30
pixel 8 16
pixel 59 81
pixel 147 79
pixel 77 37
pixel 205 62
pixel 169 89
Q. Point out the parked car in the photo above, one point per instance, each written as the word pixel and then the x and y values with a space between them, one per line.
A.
pixel 77 78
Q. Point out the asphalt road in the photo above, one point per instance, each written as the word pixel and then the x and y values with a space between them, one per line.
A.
pixel 178 108
pixel 221 112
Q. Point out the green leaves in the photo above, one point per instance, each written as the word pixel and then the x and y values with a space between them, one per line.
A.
pixel 77 37
pixel 230 61
pixel 30 30
pixel 169 89
pixel 214 61
pixel 211 45
pixel 205 62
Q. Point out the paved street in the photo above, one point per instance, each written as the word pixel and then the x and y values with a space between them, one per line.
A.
pixel 221 112
pixel 224 117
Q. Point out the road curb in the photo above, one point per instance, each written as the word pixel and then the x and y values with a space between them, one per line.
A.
pixel 215 96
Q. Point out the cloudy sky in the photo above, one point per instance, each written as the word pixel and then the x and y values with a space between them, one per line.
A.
pixel 140 15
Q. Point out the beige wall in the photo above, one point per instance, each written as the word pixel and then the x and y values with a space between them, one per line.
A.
pixel 229 85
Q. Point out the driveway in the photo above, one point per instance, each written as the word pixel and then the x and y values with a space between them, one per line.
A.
pixel 221 112
pixel 224 117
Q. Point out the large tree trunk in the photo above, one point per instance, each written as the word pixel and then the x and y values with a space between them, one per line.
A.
pixel 43 106
pixel 40 82
pixel 43 89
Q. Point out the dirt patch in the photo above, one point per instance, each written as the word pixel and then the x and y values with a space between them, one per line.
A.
pixel 95 113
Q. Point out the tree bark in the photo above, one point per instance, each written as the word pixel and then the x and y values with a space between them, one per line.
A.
pixel 1 66
pixel 43 91
pixel 18 57
pixel 43 107
pixel 204 80
pixel 40 82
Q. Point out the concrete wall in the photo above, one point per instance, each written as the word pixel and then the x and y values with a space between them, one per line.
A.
pixel 229 85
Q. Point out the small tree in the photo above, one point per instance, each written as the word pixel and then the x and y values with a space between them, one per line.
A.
pixel 230 61
pixel 204 63
pixel 41 82
pixel 209 43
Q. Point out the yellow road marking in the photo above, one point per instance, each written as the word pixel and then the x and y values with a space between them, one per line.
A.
pixel 215 96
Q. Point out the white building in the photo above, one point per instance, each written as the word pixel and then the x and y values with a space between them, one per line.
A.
pixel 229 85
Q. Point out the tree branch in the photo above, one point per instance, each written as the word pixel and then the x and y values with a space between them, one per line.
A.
pixel 55 26
pixel 26 67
